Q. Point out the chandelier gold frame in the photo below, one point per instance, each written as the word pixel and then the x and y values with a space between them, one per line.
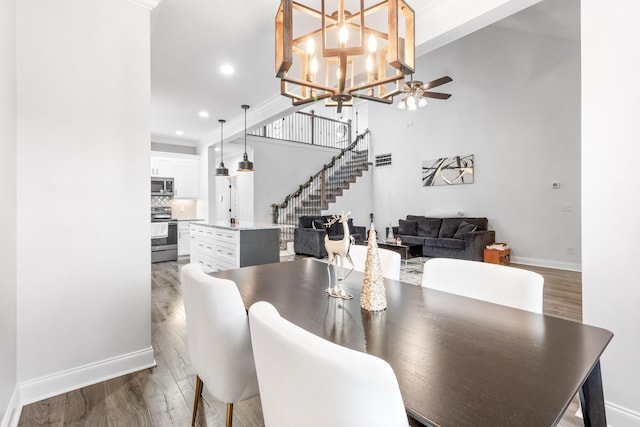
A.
pixel 356 58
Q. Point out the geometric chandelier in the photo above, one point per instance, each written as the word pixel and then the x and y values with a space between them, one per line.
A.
pixel 347 49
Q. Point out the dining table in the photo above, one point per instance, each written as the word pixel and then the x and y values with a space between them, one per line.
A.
pixel 459 361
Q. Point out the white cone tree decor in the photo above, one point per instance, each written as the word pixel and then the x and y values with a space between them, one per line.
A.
pixel 373 296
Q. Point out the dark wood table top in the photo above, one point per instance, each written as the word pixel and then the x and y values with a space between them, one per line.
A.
pixel 459 361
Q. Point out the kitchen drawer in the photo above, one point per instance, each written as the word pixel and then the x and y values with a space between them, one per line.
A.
pixel 225 252
pixel 207 262
pixel 226 236
pixel 204 246
pixel 221 265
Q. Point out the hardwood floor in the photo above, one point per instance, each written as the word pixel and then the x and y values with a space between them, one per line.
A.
pixel 163 396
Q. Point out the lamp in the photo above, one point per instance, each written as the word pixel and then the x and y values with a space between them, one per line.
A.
pixel 364 43
pixel 245 165
pixel 221 170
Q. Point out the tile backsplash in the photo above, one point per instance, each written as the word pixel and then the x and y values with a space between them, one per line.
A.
pixel 184 208
pixel 180 208
pixel 161 200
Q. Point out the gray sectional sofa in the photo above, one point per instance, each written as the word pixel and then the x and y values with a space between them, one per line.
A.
pixel 457 237
pixel 308 238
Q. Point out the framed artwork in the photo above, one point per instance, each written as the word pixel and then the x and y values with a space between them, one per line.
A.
pixel 448 171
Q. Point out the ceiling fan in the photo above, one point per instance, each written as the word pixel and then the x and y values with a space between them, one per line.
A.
pixel 415 93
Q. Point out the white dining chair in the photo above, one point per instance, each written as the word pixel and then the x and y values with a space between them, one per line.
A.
pixel 218 339
pixel 498 284
pixel 390 261
pixel 308 381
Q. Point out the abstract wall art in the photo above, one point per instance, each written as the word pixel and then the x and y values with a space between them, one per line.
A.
pixel 448 171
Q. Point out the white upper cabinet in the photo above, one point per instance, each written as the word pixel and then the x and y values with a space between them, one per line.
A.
pixel 183 168
pixel 185 178
pixel 161 166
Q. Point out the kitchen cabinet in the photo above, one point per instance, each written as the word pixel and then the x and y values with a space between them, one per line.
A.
pixel 184 238
pixel 222 247
pixel 183 168
pixel 161 166
pixel 185 174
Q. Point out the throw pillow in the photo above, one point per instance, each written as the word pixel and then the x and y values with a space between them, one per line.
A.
pixel 463 229
pixel 317 224
pixel 407 228
pixel 428 227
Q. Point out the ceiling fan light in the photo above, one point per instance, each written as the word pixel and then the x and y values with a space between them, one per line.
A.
pixel 411 103
pixel 422 102
pixel 402 104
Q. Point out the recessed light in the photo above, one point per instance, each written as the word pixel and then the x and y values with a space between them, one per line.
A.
pixel 204 114
pixel 179 132
pixel 226 69
pixel 216 149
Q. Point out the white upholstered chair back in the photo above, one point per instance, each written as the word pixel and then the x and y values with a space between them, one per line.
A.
pixel 218 336
pixel 389 261
pixel 499 284
pixel 308 381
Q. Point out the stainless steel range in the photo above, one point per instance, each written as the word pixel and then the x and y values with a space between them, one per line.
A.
pixel 164 235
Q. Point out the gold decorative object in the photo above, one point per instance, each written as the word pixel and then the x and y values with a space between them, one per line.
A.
pixel 348 48
pixel 373 296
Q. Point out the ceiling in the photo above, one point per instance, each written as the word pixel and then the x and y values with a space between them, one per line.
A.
pixel 192 39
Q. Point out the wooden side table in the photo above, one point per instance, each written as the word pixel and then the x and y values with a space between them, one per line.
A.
pixel 497 256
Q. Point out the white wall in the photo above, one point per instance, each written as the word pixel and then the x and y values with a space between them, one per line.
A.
pixel 514 106
pixel 281 167
pixel 8 213
pixel 83 193
pixel 610 148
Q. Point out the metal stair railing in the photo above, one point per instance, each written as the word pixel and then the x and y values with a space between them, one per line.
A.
pixel 323 187
pixel 308 128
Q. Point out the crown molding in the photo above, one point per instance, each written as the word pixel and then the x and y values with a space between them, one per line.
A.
pixel 147 4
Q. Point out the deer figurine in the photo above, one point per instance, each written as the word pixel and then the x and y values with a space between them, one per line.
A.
pixel 339 249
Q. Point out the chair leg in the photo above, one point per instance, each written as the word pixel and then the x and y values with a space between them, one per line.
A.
pixel 196 399
pixel 229 414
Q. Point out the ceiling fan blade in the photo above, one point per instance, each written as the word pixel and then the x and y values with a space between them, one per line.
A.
pixel 437 82
pixel 436 95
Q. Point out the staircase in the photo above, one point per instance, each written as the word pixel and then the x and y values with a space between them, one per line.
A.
pixel 323 188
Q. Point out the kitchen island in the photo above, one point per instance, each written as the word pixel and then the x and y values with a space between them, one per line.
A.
pixel 222 246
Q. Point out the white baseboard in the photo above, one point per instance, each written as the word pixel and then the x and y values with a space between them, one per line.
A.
pixel 72 379
pixel 571 266
pixel 619 416
pixel 12 414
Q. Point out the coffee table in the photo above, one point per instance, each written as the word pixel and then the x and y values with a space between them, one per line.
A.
pixel 406 250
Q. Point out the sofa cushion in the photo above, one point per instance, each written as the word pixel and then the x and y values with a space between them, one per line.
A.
pixel 463 229
pixel 481 223
pixel 443 242
pixel 449 227
pixel 407 228
pixel 428 227
pixel 411 240
pixel 317 224
pixel 306 221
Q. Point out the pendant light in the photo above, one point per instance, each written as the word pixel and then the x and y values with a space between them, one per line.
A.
pixel 221 170
pixel 245 165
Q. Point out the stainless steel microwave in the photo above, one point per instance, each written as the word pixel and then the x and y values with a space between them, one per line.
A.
pixel 161 186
